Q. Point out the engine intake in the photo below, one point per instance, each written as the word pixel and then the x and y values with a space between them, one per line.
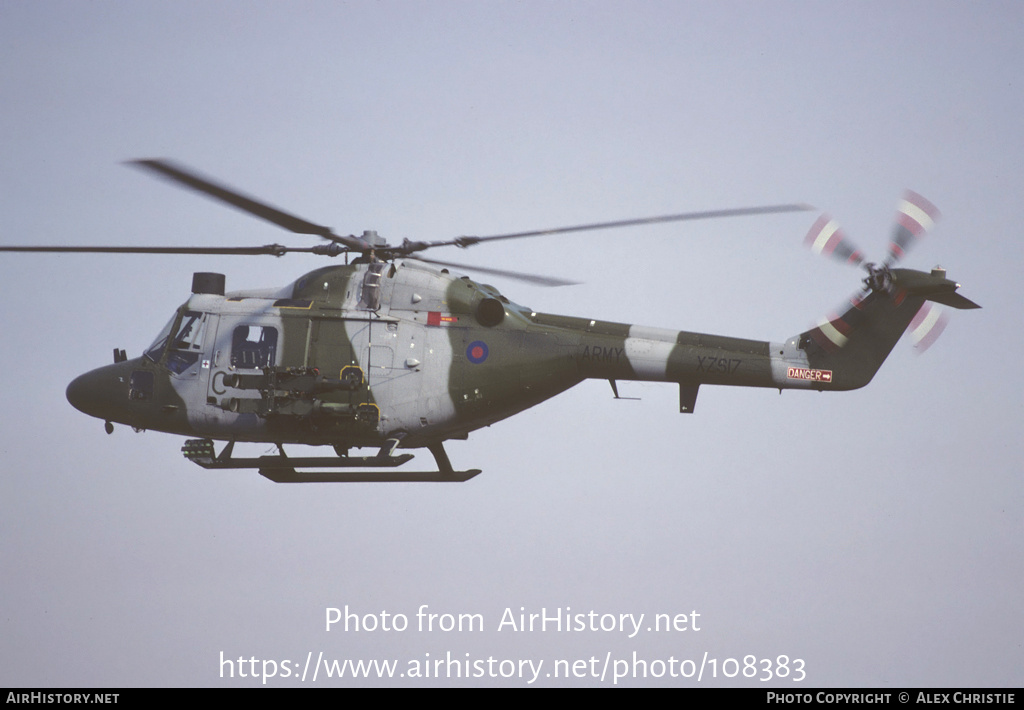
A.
pixel 490 312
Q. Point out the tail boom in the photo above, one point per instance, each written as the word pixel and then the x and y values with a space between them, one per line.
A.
pixel 844 357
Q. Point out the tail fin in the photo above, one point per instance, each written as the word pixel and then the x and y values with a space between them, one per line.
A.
pixel 854 345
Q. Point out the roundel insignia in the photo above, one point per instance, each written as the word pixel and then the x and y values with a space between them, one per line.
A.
pixel 477 352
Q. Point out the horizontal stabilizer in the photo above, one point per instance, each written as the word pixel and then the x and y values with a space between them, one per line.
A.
pixel 953 299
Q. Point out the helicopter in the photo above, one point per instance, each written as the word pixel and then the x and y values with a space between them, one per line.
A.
pixel 395 351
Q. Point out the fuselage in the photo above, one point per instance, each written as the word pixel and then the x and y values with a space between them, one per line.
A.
pixel 354 355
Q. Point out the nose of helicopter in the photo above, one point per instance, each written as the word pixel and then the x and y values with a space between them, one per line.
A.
pixel 99 393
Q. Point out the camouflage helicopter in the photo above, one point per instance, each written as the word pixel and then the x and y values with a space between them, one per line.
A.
pixel 396 351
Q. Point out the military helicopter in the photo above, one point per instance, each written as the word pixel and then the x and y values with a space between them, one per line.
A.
pixel 396 351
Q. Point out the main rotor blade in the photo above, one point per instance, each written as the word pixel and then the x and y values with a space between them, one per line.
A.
pixel 270 249
pixel 686 216
pixel 535 279
pixel 191 180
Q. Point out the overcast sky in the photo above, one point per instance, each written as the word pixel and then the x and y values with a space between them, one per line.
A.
pixel 875 535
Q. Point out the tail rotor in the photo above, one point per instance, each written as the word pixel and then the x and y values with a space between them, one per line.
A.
pixel 915 216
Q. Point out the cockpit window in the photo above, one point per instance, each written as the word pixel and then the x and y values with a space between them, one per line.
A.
pixel 186 344
pixel 155 351
pixel 253 346
pixel 190 334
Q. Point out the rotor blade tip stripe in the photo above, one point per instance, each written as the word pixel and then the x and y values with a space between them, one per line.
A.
pixel 922 313
pixel 833 330
pixel 825 238
pixel 921 203
pixel 815 230
pixel 928 327
pixel 914 220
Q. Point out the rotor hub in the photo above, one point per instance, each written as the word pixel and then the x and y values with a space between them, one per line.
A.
pixel 879 278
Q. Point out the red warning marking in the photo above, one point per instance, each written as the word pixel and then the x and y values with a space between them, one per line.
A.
pixel 808 374
pixel 437 318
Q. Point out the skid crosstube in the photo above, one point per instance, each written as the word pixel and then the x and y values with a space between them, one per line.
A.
pixel 282 468
pixel 283 475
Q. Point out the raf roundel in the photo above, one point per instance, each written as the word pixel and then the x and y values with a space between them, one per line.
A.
pixel 477 352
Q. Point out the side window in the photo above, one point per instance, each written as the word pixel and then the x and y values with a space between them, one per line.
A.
pixel 188 343
pixel 253 346
pixel 140 386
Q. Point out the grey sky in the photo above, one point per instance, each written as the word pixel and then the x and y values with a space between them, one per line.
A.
pixel 874 534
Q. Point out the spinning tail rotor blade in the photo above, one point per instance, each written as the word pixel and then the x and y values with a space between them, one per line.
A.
pixel 833 332
pixel 914 217
pixel 927 326
pixel 827 238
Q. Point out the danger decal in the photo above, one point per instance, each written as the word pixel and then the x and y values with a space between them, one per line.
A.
pixel 808 374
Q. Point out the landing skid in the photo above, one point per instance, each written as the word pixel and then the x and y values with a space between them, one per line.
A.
pixel 282 468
